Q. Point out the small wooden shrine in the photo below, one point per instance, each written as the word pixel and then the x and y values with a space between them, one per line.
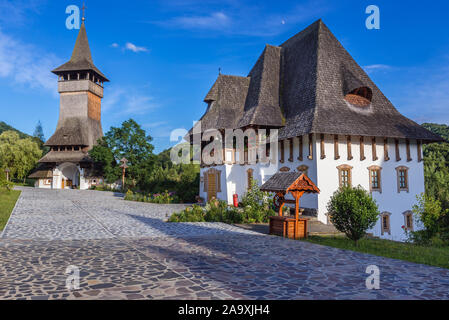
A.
pixel 295 183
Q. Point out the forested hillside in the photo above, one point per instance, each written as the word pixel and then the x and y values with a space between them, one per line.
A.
pixel 5 127
pixel 436 165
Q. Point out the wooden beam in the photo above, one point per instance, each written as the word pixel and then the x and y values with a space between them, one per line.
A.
pixel 374 149
pixel 349 146
pixel 300 155
pixel 336 153
pixel 398 155
pixel 362 149
pixel 290 143
pixel 386 157
pixel 322 147
pixel 418 145
pixel 310 156
pixel 407 144
pixel 282 151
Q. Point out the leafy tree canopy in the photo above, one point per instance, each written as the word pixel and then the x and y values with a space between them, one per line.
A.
pixel 19 155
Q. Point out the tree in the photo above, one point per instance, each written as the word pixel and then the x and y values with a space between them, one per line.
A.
pixel 39 132
pixel 131 142
pixel 353 211
pixel 434 219
pixel 18 155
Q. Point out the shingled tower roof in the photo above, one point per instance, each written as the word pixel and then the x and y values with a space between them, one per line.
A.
pixel 311 84
pixel 81 59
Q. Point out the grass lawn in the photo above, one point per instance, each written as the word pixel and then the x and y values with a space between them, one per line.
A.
pixel 434 256
pixel 8 200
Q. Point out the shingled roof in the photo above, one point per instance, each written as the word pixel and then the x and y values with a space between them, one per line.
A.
pixel 288 182
pixel 66 156
pixel 300 86
pixel 81 59
pixel 225 100
pixel 76 131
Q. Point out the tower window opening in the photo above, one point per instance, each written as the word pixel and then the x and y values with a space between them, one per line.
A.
pixel 360 97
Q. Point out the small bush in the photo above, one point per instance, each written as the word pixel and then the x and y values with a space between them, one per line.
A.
pixel 192 214
pixel 6 185
pixel 353 211
pixel 434 221
pixel 257 205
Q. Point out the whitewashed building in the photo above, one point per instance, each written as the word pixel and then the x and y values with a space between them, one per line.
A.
pixel 80 85
pixel 334 124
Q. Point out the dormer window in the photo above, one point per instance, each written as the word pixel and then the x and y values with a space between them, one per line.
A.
pixel 360 97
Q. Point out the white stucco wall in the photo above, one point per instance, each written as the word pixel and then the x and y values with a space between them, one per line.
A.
pixel 324 173
pixel 389 199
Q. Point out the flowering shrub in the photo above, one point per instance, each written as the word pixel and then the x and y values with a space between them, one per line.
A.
pixel 214 211
pixel 161 198
pixel 256 207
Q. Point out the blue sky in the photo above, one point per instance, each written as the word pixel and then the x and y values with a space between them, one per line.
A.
pixel 163 56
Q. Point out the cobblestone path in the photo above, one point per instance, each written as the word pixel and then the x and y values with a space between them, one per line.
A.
pixel 125 250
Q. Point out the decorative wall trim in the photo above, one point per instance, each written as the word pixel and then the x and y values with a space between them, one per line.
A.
pixel 303 168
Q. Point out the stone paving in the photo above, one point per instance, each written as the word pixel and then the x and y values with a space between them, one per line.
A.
pixel 125 250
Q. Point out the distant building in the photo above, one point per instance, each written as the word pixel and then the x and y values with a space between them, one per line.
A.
pixel 334 124
pixel 80 85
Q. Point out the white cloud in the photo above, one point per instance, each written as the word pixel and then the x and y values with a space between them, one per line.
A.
pixel 132 47
pixel 238 18
pixel 16 12
pixel 121 101
pixel 216 20
pixel 422 93
pixel 26 64
pixel 376 67
pixel 115 45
